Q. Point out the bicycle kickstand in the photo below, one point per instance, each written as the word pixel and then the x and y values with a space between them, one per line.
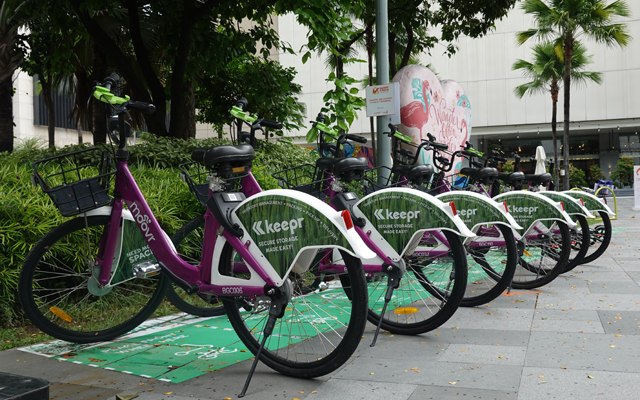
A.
pixel 393 281
pixel 278 305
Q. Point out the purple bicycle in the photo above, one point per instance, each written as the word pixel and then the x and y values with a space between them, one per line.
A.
pixel 99 275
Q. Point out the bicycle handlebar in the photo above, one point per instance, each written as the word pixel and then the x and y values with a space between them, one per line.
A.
pixel 103 93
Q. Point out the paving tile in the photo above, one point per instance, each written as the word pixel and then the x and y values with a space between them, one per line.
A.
pixel 454 392
pixel 584 351
pixel 595 301
pixel 362 390
pixel 477 376
pixel 555 383
pixel 605 276
pixel 501 319
pixel 620 322
pixel 478 336
pixel 485 354
pixel 567 320
pixel 614 287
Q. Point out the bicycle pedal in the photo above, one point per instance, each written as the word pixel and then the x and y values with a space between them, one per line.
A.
pixel 146 269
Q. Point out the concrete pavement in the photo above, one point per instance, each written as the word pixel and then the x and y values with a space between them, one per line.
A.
pixel 578 337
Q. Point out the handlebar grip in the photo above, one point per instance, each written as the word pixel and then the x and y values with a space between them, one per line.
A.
pixel 439 146
pixel 355 138
pixel 271 124
pixel 145 108
pixel 242 103
pixel 110 80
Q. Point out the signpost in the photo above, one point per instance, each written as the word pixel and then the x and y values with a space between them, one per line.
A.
pixel 384 100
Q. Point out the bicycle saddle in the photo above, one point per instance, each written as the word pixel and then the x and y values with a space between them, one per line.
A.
pixel 511 178
pixel 416 174
pixel 540 179
pixel 326 163
pixel 484 175
pixel 238 155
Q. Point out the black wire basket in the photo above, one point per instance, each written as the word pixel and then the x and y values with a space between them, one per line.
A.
pixel 304 178
pixel 77 182
pixel 195 175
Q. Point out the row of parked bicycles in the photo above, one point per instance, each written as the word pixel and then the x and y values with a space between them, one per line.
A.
pixel 298 271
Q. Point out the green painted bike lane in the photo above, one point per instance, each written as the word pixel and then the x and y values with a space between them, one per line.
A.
pixel 178 348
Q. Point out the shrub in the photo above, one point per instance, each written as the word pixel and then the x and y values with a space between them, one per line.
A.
pixel 26 213
pixel 577 177
pixel 623 174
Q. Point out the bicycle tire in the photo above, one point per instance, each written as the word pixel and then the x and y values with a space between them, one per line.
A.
pixel 599 239
pixel 580 238
pixel 56 291
pixel 188 242
pixel 430 291
pixel 543 259
pixel 491 270
pixel 302 354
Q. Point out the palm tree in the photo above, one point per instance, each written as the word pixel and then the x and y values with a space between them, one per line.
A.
pixel 567 21
pixel 546 73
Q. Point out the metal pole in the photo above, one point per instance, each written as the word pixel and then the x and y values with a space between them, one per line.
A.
pixel 382 77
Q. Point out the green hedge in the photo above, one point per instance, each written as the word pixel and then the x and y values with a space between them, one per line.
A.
pixel 27 213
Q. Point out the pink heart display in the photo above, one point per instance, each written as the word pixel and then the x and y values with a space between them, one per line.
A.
pixel 428 105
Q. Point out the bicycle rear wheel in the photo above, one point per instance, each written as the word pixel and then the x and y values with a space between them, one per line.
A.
pixel 60 296
pixel 492 257
pixel 579 243
pixel 188 241
pixel 320 329
pixel 600 237
pixel 430 291
pixel 544 257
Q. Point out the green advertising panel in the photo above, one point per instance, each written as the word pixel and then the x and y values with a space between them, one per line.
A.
pixel 591 202
pixel 571 205
pixel 133 250
pixel 281 226
pixel 397 215
pixel 528 207
pixel 474 210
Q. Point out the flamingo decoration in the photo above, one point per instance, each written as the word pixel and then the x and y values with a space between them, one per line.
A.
pixel 416 113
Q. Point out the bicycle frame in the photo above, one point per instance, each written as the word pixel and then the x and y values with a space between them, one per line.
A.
pixel 163 249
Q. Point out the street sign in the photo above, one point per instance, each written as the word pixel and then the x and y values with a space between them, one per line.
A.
pixel 383 100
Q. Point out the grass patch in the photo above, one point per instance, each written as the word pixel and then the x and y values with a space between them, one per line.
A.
pixel 21 336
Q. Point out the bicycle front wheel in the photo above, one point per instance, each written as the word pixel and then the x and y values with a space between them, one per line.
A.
pixel 544 257
pixel 492 257
pixel 430 291
pixel 579 243
pixel 320 329
pixel 188 241
pixel 600 237
pixel 60 296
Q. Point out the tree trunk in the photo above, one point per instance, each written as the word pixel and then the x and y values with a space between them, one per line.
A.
pixel 6 115
pixel 51 112
pixel 568 53
pixel 189 110
pixel 98 114
pixel 554 133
